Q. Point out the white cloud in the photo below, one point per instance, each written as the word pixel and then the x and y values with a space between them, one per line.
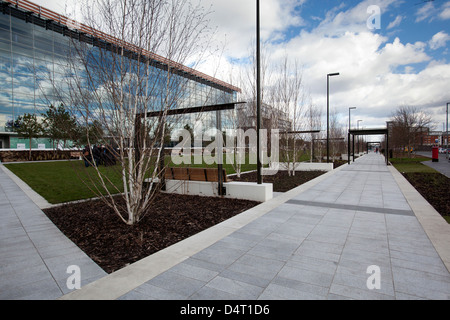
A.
pixel 377 75
pixel 395 23
pixel 236 21
pixel 445 11
pixel 430 12
pixel 425 12
pixel 338 21
pixel 439 40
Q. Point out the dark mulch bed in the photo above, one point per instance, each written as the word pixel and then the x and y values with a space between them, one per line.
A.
pixel 434 187
pixel 281 181
pixel 112 244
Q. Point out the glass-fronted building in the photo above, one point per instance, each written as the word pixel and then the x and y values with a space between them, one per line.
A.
pixel 34 47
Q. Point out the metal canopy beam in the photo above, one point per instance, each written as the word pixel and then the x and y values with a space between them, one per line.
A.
pixel 181 111
pixel 331 139
pixel 298 132
pixel 363 132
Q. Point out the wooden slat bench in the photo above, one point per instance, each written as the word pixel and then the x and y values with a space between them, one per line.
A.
pixel 195 174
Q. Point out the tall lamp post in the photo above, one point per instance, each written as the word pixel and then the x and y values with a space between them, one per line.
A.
pixel 328 113
pixel 349 128
pixel 258 95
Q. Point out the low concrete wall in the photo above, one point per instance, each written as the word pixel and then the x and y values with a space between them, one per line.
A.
pixel 10 155
pixel 234 190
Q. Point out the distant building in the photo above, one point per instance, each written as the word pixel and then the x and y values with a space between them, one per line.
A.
pixel 271 117
pixel 435 138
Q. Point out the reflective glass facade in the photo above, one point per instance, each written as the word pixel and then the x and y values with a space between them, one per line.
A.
pixel 33 53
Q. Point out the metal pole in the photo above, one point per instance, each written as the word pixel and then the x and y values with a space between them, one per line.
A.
pixel 328 118
pixel 447 128
pixel 349 128
pixel 348 149
pixel 220 177
pixel 328 113
pixel 353 147
pixel 258 94
pixel 387 148
pixel 312 150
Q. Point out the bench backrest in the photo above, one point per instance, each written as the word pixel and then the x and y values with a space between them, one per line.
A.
pixel 195 174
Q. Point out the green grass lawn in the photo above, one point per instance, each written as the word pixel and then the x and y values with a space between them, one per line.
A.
pixel 65 181
pixel 411 165
pixel 62 181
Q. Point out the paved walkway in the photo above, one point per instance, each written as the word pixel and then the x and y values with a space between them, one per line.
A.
pixel 34 254
pixel 314 242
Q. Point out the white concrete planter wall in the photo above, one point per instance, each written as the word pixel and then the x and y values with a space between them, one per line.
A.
pixel 234 190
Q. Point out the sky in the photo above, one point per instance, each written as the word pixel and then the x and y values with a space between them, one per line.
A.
pixel 389 53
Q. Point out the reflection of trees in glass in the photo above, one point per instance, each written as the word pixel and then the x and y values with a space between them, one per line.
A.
pixel 28 126
pixel 10 125
pixel 88 134
pixel 59 125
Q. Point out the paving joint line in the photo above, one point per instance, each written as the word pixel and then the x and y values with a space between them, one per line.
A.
pixel 351 207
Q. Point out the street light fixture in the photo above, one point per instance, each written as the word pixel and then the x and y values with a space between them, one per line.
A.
pixel 349 128
pixel 328 112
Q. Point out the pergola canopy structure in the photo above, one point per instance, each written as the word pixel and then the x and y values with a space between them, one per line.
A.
pixel 181 111
pixel 368 132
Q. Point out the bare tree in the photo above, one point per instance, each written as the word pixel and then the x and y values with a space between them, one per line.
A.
pixel 336 136
pixel 238 121
pixel 289 98
pixel 118 78
pixel 313 118
pixel 409 123
pixel 248 82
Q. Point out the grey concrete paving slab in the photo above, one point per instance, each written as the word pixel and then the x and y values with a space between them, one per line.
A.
pixel 208 293
pixel 244 290
pixel 241 273
pixel 176 283
pixel 34 254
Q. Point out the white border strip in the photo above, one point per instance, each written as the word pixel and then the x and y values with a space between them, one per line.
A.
pixel 435 226
pixel 33 195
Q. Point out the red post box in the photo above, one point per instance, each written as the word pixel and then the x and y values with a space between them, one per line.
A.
pixel 435 154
